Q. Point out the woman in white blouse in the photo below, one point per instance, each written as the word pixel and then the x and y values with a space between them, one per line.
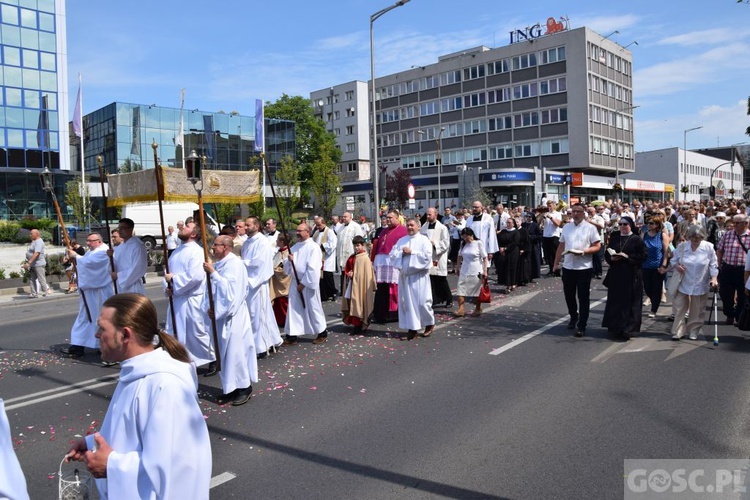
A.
pixel 695 259
pixel 472 265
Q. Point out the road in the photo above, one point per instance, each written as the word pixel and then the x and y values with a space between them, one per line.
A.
pixel 507 406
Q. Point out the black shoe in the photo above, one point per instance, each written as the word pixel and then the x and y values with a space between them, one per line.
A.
pixel 289 340
pixel 262 355
pixel 411 335
pixel 572 324
pixel 74 351
pixel 580 332
pixel 211 370
pixel 242 396
pixel 357 331
pixel 597 276
pixel 449 304
pixel 225 398
pixel 625 335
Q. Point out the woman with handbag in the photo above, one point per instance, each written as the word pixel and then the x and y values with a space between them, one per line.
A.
pixel 695 260
pixel 472 271
pixel 657 259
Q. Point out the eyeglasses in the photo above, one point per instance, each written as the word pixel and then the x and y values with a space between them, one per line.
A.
pixel 92 241
pixel 624 224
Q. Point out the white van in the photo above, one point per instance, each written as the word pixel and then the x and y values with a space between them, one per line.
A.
pixel 146 219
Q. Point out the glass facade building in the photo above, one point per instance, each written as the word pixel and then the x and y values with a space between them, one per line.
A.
pixel 33 102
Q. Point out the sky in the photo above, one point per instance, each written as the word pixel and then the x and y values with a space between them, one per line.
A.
pixel 689 60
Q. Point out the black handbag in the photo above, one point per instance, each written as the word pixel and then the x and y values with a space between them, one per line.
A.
pixel 743 322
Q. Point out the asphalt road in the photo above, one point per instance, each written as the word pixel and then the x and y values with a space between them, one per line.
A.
pixel 506 406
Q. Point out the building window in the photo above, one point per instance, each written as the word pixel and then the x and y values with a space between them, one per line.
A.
pixel 350 147
pixel 524 61
pixel 525 90
pixel 526 149
pixel 553 55
pixel 527 119
pixel 349 129
pixel 409 112
pixel 450 77
pixel 351 167
pixel 553 86
pixel 475 127
pixel 455 129
pixel 474 72
pixel 337 132
pixel 477 154
pixel 450 104
pixel 429 82
pixel 408 137
pixel 498 67
pixel 349 95
pixel 554 146
pixel 501 123
pixel 429 108
pixel 554 115
pixel 390 115
pixel 499 95
pixel 474 100
pixel 350 112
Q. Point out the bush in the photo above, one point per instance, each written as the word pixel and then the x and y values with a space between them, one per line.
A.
pixel 41 224
pixel 9 230
pixel 155 258
pixel 14 275
pixel 54 264
pixel 2 273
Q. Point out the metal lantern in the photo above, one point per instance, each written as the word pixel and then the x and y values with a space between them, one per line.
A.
pixel 47 179
pixel 193 167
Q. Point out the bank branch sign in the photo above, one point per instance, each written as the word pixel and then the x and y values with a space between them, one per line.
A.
pixel 538 30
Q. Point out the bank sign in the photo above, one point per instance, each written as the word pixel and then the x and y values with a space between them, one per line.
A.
pixel 531 33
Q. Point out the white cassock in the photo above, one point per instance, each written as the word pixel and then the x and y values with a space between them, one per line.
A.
pixel 12 481
pixel 484 230
pixel 188 287
pixel 344 245
pixel 414 290
pixel 328 240
pixel 95 285
pixel 441 243
pixel 308 320
pixel 239 362
pixel 157 432
pixel 257 256
pixel 131 262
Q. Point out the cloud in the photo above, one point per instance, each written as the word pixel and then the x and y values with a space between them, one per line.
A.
pixel 606 24
pixel 679 74
pixel 704 37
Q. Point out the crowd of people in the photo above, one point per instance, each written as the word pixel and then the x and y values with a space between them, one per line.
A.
pixel 227 312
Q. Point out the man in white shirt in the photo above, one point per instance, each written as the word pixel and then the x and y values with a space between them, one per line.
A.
pixel 172 241
pixel 271 232
pixel 412 255
pixel 439 237
pixel 344 246
pixel 484 228
pixel 551 235
pixel 326 238
pixel 578 242
pixel 131 260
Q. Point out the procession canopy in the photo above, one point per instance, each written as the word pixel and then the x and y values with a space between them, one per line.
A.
pixel 219 186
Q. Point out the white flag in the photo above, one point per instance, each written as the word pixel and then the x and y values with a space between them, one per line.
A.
pixel 179 140
pixel 77 116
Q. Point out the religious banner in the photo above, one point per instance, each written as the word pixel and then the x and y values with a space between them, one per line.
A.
pixel 219 186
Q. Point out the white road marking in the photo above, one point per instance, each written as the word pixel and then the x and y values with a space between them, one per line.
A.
pixel 643 344
pixel 222 478
pixel 54 394
pixel 531 335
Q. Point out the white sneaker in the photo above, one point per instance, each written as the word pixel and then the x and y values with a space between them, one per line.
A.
pixel 651 315
pixel 693 336
pixel 647 302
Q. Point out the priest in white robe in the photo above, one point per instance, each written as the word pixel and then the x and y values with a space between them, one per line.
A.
pixel 344 246
pixel 257 255
pixel 326 238
pixel 94 287
pixel 12 480
pixel 154 441
pixel 188 284
pixel 310 318
pixel 484 228
pixel 412 254
pixel 131 260
pixel 439 236
pixel 239 362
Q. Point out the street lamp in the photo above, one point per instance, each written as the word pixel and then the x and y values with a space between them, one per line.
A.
pixel 438 160
pixel 733 152
pixel 684 162
pixel 376 178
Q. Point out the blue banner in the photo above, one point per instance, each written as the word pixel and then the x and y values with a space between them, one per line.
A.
pixel 259 127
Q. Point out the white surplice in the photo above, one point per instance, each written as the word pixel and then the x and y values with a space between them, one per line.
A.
pixel 310 319
pixel 239 362
pixel 344 245
pixel 131 261
pixel 484 230
pixel 328 241
pixel 188 287
pixel 257 256
pixel 157 432
pixel 95 286
pixel 441 244
pixel 414 290
pixel 12 481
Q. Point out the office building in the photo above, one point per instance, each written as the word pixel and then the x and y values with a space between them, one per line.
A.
pixel 33 104
pixel 517 120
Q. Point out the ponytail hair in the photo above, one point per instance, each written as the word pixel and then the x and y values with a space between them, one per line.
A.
pixel 138 313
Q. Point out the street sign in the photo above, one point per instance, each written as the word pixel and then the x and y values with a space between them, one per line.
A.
pixel 412 204
pixel 411 191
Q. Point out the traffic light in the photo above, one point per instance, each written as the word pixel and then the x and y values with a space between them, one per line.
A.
pixel 712 192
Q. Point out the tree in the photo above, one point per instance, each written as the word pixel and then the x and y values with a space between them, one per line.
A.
pixel 78 200
pixel 478 194
pixel 130 166
pixel 397 188
pixel 324 182
pixel 310 133
pixel 287 187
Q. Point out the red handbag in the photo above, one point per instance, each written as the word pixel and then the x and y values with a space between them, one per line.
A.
pixel 484 294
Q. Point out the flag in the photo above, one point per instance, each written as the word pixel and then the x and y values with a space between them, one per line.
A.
pixel 208 130
pixel 179 141
pixel 259 126
pixel 42 132
pixel 135 147
pixel 77 116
